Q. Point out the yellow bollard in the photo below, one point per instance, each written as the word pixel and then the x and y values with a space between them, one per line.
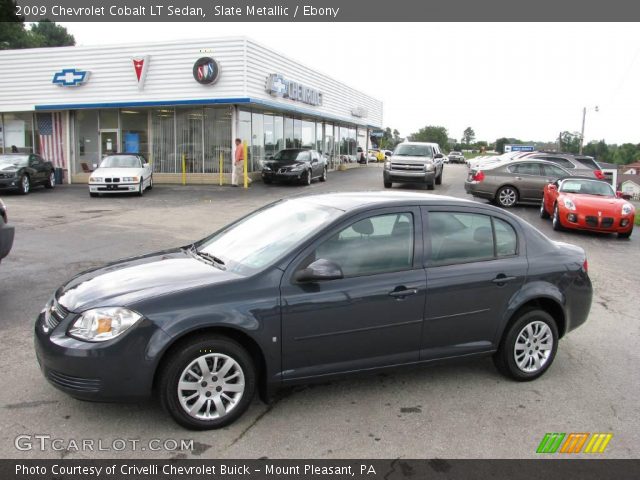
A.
pixel 184 169
pixel 244 155
pixel 220 174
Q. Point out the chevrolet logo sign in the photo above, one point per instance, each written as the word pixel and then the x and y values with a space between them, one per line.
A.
pixel 70 77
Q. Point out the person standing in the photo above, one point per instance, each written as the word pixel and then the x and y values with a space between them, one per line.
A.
pixel 237 169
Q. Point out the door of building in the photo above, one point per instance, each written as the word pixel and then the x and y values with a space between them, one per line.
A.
pixel 109 142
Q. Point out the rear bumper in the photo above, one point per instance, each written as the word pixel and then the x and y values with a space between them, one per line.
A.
pixel 7 233
pixel 476 189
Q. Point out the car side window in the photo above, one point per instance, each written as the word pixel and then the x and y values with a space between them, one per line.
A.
pixel 553 171
pixel 506 239
pixel 526 168
pixel 459 237
pixel 373 245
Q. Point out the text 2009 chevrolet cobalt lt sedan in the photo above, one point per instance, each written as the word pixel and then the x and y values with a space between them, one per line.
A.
pixel 309 288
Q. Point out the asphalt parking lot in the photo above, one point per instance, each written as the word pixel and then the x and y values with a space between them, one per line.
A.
pixel 464 410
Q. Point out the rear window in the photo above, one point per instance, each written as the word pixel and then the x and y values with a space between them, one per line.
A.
pixel 588 162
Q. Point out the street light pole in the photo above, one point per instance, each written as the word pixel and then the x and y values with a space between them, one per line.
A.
pixel 584 115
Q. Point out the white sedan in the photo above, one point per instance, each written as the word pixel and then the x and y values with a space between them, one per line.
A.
pixel 119 173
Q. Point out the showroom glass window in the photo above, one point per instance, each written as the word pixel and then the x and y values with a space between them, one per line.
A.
pixel 288 132
pixel 87 155
pixel 308 134
pixel 217 139
pixel 18 132
pixel 189 132
pixel 163 153
pixel 257 148
pixel 134 137
pixel 297 133
pixel 378 244
pixel 319 143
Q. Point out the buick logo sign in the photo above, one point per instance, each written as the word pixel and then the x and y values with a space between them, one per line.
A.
pixel 206 71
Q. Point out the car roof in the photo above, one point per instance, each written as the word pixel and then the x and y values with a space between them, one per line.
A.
pixel 417 143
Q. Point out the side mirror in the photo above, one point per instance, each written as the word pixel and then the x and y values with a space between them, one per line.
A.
pixel 439 155
pixel 619 194
pixel 319 270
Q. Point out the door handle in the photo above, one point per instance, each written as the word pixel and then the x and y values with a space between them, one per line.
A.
pixel 502 279
pixel 402 292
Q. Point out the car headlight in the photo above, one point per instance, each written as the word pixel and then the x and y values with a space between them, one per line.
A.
pixel 266 168
pixel 429 167
pixel 102 324
pixel 95 180
pixel 129 179
pixel 387 164
pixel 568 204
pixel 627 208
pixel 297 168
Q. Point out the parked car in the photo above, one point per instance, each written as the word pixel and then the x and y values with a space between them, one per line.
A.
pixel 361 157
pixel 456 157
pixel 121 172
pixel 513 182
pixel 295 165
pixel 21 171
pixel 581 165
pixel 6 232
pixel 414 162
pixel 310 288
pixel 377 155
pixel 579 203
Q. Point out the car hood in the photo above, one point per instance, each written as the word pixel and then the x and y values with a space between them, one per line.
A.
pixel 127 281
pixel 117 172
pixel 9 168
pixel 604 204
pixel 409 159
pixel 279 164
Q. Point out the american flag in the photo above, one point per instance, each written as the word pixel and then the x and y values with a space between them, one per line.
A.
pixel 50 133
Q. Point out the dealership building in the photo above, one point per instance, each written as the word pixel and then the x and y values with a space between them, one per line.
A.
pixel 179 103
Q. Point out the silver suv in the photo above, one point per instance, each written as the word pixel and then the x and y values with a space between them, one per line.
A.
pixel 414 162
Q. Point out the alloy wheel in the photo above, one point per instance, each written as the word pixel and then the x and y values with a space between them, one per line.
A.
pixel 52 180
pixel 211 386
pixel 507 197
pixel 25 184
pixel 533 346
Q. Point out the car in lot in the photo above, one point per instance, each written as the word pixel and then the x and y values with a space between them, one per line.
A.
pixel 414 162
pixel 120 173
pixel 22 171
pixel 295 165
pixel 581 165
pixel 7 232
pixel 312 288
pixel 580 203
pixel 518 181
pixel 456 157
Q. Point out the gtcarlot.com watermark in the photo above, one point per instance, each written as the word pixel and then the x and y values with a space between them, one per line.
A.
pixel 44 443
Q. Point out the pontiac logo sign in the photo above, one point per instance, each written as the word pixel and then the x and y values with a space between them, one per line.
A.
pixel 70 77
pixel 140 67
pixel 278 86
pixel 206 71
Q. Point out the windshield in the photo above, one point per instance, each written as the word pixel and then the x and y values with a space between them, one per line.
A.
pixel 454 153
pixel 587 187
pixel 408 150
pixel 292 156
pixel 262 237
pixel 120 161
pixel 13 160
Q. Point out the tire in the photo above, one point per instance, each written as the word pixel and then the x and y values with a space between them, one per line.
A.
pixel 323 178
pixel 431 184
pixel 507 196
pixel 93 194
pixel 543 211
pixel 189 356
pixel 150 183
pixel 625 234
pixel 555 221
pixel 388 184
pixel 267 181
pixel 439 177
pixel 141 188
pixel 51 180
pixel 516 358
pixel 306 179
pixel 25 184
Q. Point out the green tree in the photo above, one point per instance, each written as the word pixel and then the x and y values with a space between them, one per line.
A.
pixel 468 136
pixel 12 33
pixel 396 137
pixel 569 142
pixel 626 153
pixel 433 134
pixel 48 34
pixel 598 150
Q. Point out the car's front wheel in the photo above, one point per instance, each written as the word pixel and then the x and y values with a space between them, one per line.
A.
pixel 141 187
pixel 25 184
pixel 528 347
pixel 387 184
pixel 208 383
pixel 323 178
pixel 625 234
pixel 555 221
pixel 439 177
pixel 150 183
pixel 543 211
pixel 306 178
pixel 51 180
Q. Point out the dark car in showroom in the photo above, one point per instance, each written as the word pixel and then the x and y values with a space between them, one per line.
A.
pixel 21 171
pixel 314 287
pixel 299 165
pixel 6 232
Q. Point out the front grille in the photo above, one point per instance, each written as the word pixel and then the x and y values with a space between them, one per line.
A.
pixel 410 167
pixel 283 170
pixel 591 221
pixel 107 180
pixel 54 315
pixel 607 222
pixel 78 384
pixel 6 175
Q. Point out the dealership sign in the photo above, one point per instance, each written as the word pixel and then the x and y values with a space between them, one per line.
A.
pixel 206 71
pixel 140 67
pixel 359 112
pixel 70 77
pixel 278 86
pixel 519 148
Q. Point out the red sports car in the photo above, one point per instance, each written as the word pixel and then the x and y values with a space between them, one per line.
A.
pixel 587 204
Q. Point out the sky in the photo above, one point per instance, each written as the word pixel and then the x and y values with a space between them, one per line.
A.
pixel 523 80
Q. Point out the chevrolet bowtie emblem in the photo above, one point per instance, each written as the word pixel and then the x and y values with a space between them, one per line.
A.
pixel 70 77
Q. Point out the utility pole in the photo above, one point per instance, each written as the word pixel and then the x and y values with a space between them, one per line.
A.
pixel 584 115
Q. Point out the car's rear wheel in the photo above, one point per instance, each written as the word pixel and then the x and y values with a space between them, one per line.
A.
pixel 507 196
pixel 528 347
pixel 51 180
pixel 207 384
pixel 557 224
pixel 625 234
pixel 25 184
pixel 323 178
pixel 543 211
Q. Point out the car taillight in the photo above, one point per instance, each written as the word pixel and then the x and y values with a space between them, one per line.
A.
pixel 585 266
pixel 478 176
pixel 599 175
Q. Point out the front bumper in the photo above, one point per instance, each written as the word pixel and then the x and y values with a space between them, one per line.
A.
pixel 398 176
pixel 9 183
pixel 7 233
pixel 121 369
pixel 113 187
pixel 277 176
pixel 594 223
